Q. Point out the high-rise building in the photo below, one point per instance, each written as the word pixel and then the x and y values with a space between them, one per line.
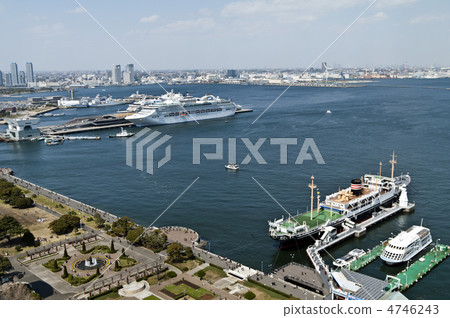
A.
pixel 116 75
pixel 127 77
pixel 232 73
pixel 8 79
pixel 29 76
pixel 22 78
pixel 14 75
pixel 1 78
pixel 130 68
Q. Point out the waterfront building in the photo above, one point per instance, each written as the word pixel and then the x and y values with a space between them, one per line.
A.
pixel 1 78
pixel 130 68
pixel 8 80
pixel 116 75
pixel 22 78
pixel 232 73
pixel 14 75
pixel 29 77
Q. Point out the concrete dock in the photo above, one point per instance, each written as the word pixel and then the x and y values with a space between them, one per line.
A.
pixel 419 268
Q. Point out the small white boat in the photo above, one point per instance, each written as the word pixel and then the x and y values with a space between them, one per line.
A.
pixel 122 134
pixel 328 111
pixel 232 166
pixel 52 141
pixel 349 258
pixel 406 245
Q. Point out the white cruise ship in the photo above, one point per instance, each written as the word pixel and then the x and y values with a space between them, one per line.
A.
pixel 173 108
pixel 406 245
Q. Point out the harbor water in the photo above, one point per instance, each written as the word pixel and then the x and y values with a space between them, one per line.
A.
pixel 229 209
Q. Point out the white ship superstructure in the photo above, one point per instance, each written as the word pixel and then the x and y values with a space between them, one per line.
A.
pixel 343 208
pixel 173 108
pixel 406 245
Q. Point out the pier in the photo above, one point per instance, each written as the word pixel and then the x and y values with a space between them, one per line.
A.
pixel 372 255
pixel 419 268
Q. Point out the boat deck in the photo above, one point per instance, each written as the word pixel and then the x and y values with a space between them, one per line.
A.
pixel 319 217
pixel 420 268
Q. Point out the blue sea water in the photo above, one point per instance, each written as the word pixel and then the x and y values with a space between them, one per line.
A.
pixel 230 209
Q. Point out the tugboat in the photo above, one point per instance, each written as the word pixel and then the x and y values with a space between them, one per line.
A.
pixel 232 166
pixel 122 134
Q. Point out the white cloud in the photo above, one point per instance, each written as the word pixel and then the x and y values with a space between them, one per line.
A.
pixel 429 18
pixel 76 10
pixel 184 25
pixel 48 30
pixel 393 3
pixel 277 7
pixel 149 19
pixel 379 16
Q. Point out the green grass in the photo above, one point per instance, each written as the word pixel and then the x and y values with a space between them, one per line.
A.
pixel 318 218
pixel 152 297
pixel 98 249
pixel 271 293
pixel 77 281
pixel 184 289
pixel 187 264
pixel 108 296
pixel 49 264
pixel 162 277
pixel 213 274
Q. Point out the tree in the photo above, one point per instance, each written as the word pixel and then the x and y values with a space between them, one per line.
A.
pixel 107 227
pixel 9 227
pixel 99 222
pixel 111 247
pixel 122 226
pixel 154 240
pixel 97 272
pixel 174 252
pixel 55 264
pixel 134 235
pixel 83 247
pixel 66 255
pixel 201 273
pixel 65 273
pixel 5 264
pixel 65 224
pixel 249 295
pixel 188 253
pixel 28 238
pixel 21 203
pixel 116 266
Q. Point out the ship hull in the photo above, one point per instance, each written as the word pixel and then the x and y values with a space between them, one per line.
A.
pixel 174 116
pixel 306 238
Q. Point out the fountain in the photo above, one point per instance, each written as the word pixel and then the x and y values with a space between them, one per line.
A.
pixel 90 263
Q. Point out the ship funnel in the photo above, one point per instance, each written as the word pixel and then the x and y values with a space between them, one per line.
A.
pixel 356 187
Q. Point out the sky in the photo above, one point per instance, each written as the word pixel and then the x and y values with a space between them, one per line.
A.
pixel 197 34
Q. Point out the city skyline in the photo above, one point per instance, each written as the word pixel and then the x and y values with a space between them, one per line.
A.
pixel 226 35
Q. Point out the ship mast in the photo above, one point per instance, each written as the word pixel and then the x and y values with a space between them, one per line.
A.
pixel 381 164
pixel 312 186
pixel 393 162
pixel 318 201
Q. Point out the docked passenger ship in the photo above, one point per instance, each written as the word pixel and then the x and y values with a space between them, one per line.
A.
pixel 406 245
pixel 341 209
pixel 173 108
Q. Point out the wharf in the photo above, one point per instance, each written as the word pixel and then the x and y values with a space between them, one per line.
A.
pixel 49 131
pixel 372 255
pixel 360 229
pixel 419 268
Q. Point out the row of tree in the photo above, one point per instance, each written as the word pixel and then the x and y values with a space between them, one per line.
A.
pixel 10 227
pixel 14 196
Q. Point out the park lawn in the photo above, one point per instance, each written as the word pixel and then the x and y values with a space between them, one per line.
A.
pixel 127 261
pixel 213 274
pixel 264 293
pixel 62 208
pixel 187 264
pixel 152 297
pixel 113 295
pixel 182 288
